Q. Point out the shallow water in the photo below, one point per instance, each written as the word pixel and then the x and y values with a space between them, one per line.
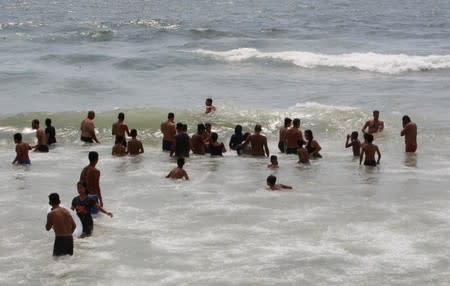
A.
pixel 329 63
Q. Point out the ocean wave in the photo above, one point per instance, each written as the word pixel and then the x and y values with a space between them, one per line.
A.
pixel 373 62
pixel 19 25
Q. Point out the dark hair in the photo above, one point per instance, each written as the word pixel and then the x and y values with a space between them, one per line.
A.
pixel 287 121
pixel 35 121
pixel 179 126
pixel 207 124
pixel 271 180
pixel 93 156
pixel 18 137
pixel 366 136
pixel 170 115
pixel 310 134
pixel 238 129
pixel 133 132
pixel 185 127
pixel 201 127
pixel 370 138
pixel 180 162
pixel 296 121
pixel 300 143
pixel 355 134
pixel 48 122
pixel 376 111
pixel 53 199
pixel 84 185
pixel 257 128
pixel 273 158
pixel 209 99
pixel 406 118
pixel 214 137
pixel 121 115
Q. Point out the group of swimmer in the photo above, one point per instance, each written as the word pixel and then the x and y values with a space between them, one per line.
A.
pixel 178 143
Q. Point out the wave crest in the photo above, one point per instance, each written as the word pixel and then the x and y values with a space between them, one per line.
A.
pixel 372 62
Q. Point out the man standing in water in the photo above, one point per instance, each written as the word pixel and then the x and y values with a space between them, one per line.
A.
pixel 91 176
pixel 293 135
pixel 410 133
pixel 375 125
pixel 283 130
pixel 368 150
pixel 63 224
pixel 258 143
pixel 88 129
pixel 119 129
pixel 168 130
pixel 41 145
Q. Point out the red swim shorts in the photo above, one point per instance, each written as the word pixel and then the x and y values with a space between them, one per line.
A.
pixel 410 148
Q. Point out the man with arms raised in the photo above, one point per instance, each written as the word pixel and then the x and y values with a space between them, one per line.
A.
pixel 410 133
pixel 91 176
pixel 63 224
pixel 258 143
pixel 88 129
pixel 375 125
pixel 168 130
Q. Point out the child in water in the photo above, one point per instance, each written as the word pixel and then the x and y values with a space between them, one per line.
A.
pixel 178 172
pixel 354 143
pixel 22 149
pixel 273 162
pixel 134 145
pixel 271 182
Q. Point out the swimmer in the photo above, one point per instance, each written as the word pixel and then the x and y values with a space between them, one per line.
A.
pixel 91 176
pixel 293 135
pixel 237 138
pixel 41 145
pixel 168 130
pixel 120 129
pixel 303 155
pixel 178 172
pixel 312 146
pixel 375 125
pixel 410 133
pixel 88 129
pixel 198 143
pixel 22 149
pixel 258 143
pixel 271 182
pixel 135 146
pixel 182 143
pixel 216 148
pixel 273 162
pixel 50 132
pixel 209 106
pixel 283 134
pixel 354 143
pixel 63 224
pixel 369 150
pixel 82 204
pixel 118 149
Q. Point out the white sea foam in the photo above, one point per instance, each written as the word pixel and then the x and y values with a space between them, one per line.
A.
pixel 372 62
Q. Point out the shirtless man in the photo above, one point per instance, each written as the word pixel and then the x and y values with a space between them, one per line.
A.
pixel 369 151
pixel 410 133
pixel 63 224
pixel 209 107
pixel 178 172
pixel 135 146
pixel 168 130
pixel 91 176
pixel 293 135
pixel 120 129
pixel 41 145
pixel 182 143
pixel 375 125
pixel 88 129
pixel 21 151
pixel 258 143
pixel 283 130
pixel 198 144
pixel 271 182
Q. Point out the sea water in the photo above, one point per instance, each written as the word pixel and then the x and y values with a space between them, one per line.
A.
pixel 330 63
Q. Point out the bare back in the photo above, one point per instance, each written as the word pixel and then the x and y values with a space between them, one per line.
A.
pixel 168 130
pixel 293 135
pixel 61 221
